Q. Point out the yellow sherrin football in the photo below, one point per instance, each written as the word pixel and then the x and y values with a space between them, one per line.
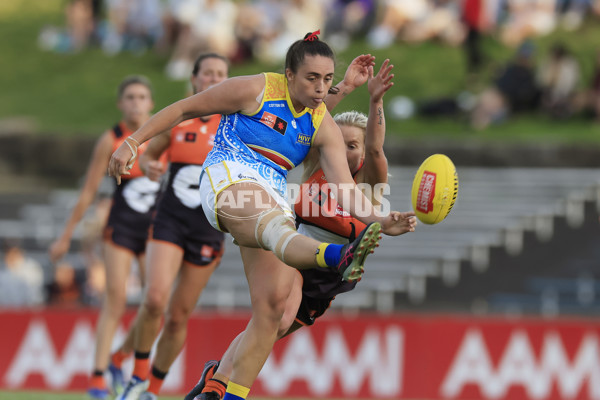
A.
pixel 434 189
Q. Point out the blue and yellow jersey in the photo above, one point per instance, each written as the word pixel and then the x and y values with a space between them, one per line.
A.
pixel 275 138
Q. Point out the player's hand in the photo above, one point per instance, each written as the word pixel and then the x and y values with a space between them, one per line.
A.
pixel 382 82
pixel 58 249
pixel 398 223
pixel 357 73
pixel 121 161
pixel 154 170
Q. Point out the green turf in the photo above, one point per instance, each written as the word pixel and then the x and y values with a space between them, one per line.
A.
pixel 72 94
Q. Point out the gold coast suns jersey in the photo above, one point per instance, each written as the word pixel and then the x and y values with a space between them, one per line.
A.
pixel 272 140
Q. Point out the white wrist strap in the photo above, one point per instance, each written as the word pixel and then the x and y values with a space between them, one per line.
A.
pixel 133 154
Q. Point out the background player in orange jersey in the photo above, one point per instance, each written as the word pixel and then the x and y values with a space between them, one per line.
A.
pixel 126 230
pixel 314 289
pixel 183 249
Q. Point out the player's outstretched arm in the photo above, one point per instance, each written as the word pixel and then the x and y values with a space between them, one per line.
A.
pixel 356 75
pixel 375 163
pixel 230 96
pixel 95 173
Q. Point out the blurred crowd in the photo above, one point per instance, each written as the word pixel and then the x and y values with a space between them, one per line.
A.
pixel 26 281
pixel 551 87
pixel 27 278
pixel 263 29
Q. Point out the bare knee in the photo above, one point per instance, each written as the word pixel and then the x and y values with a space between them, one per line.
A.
pixel 155 303
pixel 175 323
pixel 271 306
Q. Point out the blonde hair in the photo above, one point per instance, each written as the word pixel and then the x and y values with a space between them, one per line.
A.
pixel 352 118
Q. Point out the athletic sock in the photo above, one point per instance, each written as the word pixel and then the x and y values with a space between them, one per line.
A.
pixel 329 254
pixel 141 365
pixel 236 392
pixel 97 380
pixel 157 377
pixel 215 385
pixel 117 358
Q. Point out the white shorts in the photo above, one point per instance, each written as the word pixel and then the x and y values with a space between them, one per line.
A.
pixel 220 176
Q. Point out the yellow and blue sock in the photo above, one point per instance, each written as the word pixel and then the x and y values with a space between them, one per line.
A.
pixel 329 254
pixel 236 392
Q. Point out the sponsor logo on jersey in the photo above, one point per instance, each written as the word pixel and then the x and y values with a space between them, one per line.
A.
pixel 206 251
pixel 303 139
pixel 274 122
pixel 242 176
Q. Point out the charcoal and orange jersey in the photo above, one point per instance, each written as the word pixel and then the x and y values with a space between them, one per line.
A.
pixel 135 198
pixel 192 140
pixel 180 204
pixel 120 132
pixel 316 206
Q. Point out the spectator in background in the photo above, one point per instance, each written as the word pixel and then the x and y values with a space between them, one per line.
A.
pixel 515 90
pixel 348 18
pixel 417 21
pixel 393 15
pixel 81 22
pixel 558 77
pixel 207 26
pixel 442 21
pixel 65 289
pixel 258 23
pixel 596 7
pixel 572 13
pixel 473 15
pixel 134 25
pixel 298 17
pixel 26 270
pixel 528 19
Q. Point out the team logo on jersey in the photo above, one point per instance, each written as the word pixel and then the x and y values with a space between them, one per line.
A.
pixel 303 139
pixel 294 124
pixel 274 122
pixel 190 136
pixel 206 252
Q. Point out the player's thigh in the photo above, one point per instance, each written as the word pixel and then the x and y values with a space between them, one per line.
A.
pixel 239 207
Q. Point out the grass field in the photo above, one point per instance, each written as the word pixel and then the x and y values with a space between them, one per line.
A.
pixel 70 94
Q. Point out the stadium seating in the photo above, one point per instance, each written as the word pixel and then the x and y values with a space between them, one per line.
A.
pixel 503 217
